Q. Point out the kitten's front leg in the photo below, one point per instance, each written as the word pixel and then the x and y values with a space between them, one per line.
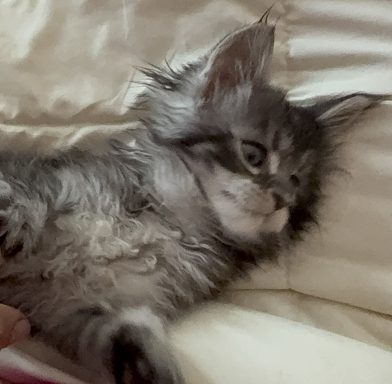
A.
pixel 140 351
pixel 131 344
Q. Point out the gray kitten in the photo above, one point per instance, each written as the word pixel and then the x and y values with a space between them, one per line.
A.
pixel 101 252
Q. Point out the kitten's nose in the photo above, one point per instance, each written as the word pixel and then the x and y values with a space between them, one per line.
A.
pixel 279 201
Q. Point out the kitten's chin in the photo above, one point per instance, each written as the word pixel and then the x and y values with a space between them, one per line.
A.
pixel 276 221
pixel 247 226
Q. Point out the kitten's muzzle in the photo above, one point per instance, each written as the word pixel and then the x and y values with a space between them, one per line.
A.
pixel 283 193
pixel 274 193
pixel 267 202
pixel 283 198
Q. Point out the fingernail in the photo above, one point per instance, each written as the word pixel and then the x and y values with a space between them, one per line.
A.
pixel 21 331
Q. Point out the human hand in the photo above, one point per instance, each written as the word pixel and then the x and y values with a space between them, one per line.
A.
pixel 13 326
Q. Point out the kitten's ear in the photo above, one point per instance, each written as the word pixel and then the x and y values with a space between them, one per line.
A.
pixel 244 55
pixel 341 111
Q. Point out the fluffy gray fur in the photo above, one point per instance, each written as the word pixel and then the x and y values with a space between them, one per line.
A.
pixel 102 251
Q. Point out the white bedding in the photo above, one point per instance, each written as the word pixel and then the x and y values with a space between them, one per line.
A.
pixel 65 71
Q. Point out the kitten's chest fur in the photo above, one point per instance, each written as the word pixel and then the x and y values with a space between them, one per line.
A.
pixel 109 222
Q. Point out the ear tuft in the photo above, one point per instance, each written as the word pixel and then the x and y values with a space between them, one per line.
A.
pixel 265 16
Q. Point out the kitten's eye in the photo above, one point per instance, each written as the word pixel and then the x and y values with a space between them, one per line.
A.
pixel 295 180
pixel 253 153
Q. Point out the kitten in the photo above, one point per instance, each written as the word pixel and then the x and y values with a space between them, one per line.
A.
pixel 101 252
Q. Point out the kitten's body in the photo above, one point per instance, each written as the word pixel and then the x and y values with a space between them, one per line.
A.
pixel 94 220
pixel 97 236
pixel 100 251
pixel 106 249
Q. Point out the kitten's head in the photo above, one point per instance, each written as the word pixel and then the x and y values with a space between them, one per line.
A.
pixel 259 159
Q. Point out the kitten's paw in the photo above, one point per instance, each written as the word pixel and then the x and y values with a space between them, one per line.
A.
pixel 139 357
